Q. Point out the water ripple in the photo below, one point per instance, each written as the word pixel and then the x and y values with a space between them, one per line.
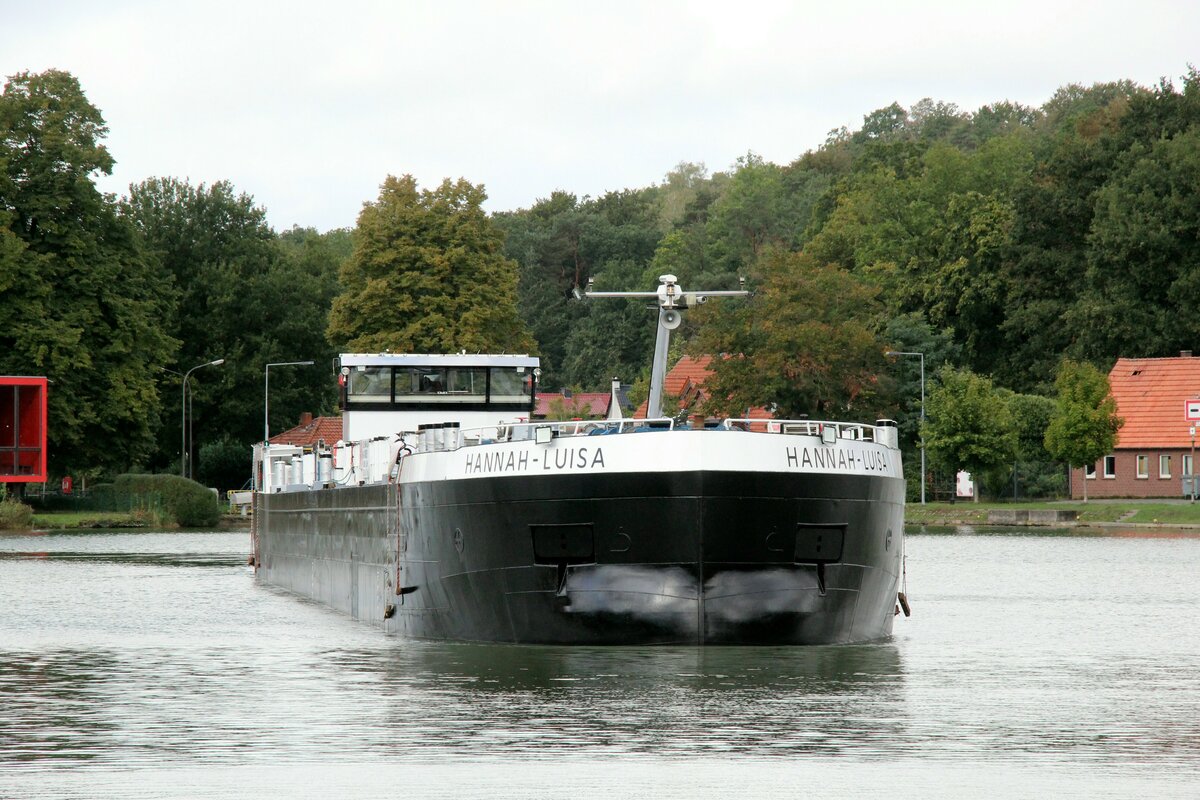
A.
pixel 1026 655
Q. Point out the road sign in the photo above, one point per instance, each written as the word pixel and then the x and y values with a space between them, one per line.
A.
pixel 1191 410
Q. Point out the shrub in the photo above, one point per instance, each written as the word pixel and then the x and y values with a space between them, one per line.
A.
pixel 15 516
pixel 225 463
pixel 184 502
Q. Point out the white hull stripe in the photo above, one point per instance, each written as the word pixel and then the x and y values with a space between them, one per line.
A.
pixel 679 451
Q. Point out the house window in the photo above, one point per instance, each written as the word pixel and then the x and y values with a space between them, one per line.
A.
pixel 1143 466
pixel 1110 466
pixel 1164 466
pixel 1089 471
pixel 1187 465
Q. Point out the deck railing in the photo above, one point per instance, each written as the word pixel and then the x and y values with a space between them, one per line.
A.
pixel 287 468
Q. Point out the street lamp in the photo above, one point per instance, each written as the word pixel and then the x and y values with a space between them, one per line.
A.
pixel 183 415
pixel 267 393
pixel 922 357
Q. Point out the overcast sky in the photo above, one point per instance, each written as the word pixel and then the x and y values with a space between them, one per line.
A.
pixel 307 106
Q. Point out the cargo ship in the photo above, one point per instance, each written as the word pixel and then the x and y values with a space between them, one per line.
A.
pixel 446 512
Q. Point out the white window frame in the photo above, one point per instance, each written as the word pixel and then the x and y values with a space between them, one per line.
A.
pixel 1110 467
pixel 1164 465
pixel 1143 467
pixel 1089 472
pixel 1186 466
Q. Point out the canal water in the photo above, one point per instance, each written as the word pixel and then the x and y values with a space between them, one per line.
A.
pixel 1036 662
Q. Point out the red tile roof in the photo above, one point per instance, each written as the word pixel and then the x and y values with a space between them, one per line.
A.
pixel 686 381
pixel 1150 395
pixel 588 404
pixel 328 429
pixel 687 369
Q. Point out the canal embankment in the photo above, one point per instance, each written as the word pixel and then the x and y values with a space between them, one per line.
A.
pixel 1060 513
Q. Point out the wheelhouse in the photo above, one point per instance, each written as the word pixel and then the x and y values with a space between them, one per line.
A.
pixel 384 382
pixel 383 393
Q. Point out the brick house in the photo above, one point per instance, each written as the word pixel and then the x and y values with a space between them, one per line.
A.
pixel 1154 449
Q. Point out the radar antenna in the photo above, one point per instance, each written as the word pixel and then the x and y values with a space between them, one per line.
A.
pixel 672 301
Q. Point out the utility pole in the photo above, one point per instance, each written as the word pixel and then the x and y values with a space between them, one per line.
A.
pixel 183 418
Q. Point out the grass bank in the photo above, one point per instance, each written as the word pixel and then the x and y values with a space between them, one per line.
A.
pixel 59 520
pixel 1095 512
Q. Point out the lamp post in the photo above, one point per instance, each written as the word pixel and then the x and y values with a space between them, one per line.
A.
pixel 922 357
pixel 267 393
pixel 183 415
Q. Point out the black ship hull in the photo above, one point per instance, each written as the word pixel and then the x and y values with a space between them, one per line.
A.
pixel 702 557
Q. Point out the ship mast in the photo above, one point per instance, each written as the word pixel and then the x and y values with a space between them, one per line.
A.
pixel 672 301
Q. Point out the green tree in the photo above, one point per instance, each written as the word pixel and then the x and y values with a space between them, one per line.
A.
pixel 1143 273
pixel 567 408
pixel 559 244
pixel 79 302
pixel 1085 422
pixel 428 275
pixel 755 212
pixel 804 343
pixel 242 294
pixel 912 333
pixel 224 463
pixel 968 425
pixel 1035 472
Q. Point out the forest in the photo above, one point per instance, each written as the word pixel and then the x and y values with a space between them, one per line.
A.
pixel 1000 243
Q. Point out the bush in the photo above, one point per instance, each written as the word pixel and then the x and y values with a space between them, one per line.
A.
pixel 15 516
pixel 184 502
pixel 225 463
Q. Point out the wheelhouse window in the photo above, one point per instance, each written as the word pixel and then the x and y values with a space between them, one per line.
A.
pixel 510 385
pixel 1143 466
pixel 1164 466
pixel 445 385
pixel 369 385
pixel 381 388
pixel 1110 466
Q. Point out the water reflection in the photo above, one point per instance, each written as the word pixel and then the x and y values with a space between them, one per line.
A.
pixel 160 652
pixel 50 707
pixel 134 559
pixel 541 701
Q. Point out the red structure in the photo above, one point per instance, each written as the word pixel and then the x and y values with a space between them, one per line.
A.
pixel 22 430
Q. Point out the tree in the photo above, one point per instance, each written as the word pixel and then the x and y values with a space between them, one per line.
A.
pixel 428 275
pixel 1036 471
pixel 559 244
pixel 562 408
pixel 242 294
pixel 804 342
pixel 913 334
pixel 755 212
pixel 1085 422
pixel 968 424
pixel 79 302
pixel 1143 274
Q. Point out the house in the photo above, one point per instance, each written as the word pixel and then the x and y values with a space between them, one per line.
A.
pixel 1153 452
pixel 686 381
pixel 582 405
pixel 310 431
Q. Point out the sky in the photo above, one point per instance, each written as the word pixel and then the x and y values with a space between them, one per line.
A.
pixel 308 106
